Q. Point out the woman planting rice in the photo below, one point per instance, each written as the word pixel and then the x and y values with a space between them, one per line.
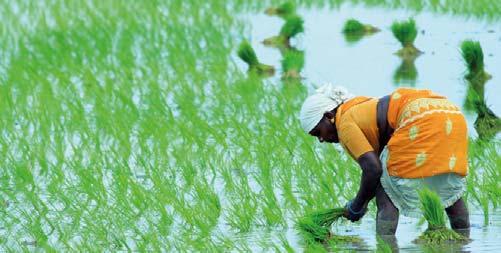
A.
pixel 404 141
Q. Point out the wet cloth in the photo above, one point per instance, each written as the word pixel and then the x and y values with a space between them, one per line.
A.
pixel 430 136
pixel 356 124
pixel 403 192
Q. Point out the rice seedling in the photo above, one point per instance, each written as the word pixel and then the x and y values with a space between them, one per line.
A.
pixel 383 246
pixel 434 213
pixel 475 93
pixel 473 57
pixel 292 27
pixel 247 54
pixel 406 32
pixel 487 124
pixel 292 64
pixel 284 10
pixel 353 26
pixel 315 227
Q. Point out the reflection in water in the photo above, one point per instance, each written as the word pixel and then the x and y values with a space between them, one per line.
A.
pixel 292 27
pixel 283 11
pixel 292 64
pixel 352 38
pixel 406 74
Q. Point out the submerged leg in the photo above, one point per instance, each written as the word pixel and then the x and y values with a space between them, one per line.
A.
pixel 387 213
pixel 459 217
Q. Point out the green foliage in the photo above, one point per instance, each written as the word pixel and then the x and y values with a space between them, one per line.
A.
pixel 405 31
pixel 316 226
pixel 293 60
pixel 353 26
pixel 247 54
pixel 383 246
pixel 434 214
pixel 293 26
pixel 473 55
pixel 440 236
pixel 283 10
pixel 432 208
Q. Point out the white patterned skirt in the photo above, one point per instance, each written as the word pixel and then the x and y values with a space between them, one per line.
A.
pixel 403 192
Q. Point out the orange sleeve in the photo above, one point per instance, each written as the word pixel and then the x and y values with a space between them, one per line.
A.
pixel 353 139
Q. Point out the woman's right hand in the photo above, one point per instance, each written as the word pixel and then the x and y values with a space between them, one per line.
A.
pixel 354 215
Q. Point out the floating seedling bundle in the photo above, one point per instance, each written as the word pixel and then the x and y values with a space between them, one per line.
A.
pixel 315 227
pixel 353 26
pixel 406 33
pixel 292 27
pixel 284 10
pixel 354 30
pixel 247 54
pixel 473 56
pixel 433 211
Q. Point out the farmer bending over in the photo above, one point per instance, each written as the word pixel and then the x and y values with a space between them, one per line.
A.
pixel 402 142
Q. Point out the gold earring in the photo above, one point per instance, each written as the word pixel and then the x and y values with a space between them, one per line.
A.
pixel 332 120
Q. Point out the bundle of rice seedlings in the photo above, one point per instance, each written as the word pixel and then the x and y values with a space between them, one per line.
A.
pixel 247 54
pixel 315 227
pixel 292 64
pixel 487 124
pixel 474 59
pixel 433 210
pixel 284 10
pixel 293 26
pixel 406 33
pixel 353 26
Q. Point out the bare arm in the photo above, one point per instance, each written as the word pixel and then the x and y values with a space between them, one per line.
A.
pixel 371 174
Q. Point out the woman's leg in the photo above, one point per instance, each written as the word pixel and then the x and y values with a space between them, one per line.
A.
pixel 387 213
pixel 458 215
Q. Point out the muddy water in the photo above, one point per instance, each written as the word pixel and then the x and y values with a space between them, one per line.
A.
pixel 369 67
pixel 484 238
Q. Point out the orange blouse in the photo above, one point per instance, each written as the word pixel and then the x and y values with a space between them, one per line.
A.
pixel 356 124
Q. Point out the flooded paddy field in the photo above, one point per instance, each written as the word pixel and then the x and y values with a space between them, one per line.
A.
pixel 134 126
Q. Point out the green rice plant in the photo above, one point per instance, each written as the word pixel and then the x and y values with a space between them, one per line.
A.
pixel 315 227
pixel 473 57
pixel 434 213
pixel 383 246
pixel 475 93
pixel 292 27
pixel 248 55
pixel 406 32
pixel 487 124
pixel 292 63
pixel 353 26
pixel 284 10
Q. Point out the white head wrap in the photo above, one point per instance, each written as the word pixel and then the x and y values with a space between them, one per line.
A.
pixel 325 98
